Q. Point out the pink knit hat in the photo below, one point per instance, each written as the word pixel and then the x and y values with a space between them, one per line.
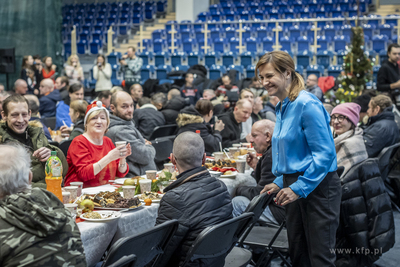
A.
pixel 350 110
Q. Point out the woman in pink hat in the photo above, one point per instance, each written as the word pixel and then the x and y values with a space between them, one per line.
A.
pixel 92 157
pixel 349 142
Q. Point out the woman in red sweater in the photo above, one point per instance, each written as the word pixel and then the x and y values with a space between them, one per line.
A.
pixel 92 157
pixel 49 69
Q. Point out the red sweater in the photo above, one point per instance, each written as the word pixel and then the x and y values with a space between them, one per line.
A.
pixel 82 154
pixel 47 75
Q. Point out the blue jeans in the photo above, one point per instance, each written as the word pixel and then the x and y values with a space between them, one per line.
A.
pixel 240 203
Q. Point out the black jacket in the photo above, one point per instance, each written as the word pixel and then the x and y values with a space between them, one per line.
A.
pixel 172 108
pixel 366 217
pixel 381 132
pixel 231 132
pixel 263 176
pixel 199 202
pixel 190 120
pixel 388 73
pixel 146 119
pixel 218 106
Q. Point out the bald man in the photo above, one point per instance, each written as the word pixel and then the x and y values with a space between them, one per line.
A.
pixel 196 199
pixel 48 98
pixel 233 123
pixel 20 87
pixel 136 92
pixel 261 136
pixel 122 128
pixel 312 87
pixel 174 104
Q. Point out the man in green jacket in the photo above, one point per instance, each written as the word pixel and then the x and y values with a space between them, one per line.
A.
pixel 16 127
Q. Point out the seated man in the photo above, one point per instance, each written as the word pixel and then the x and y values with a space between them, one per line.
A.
pixel 33 105
pixel 313 88
pixel 48 98
pixel 174 104
pixel 381 130
pixel 122 128
pixel 20 87
pixel 35 227
pixel 136 91
pixel 105 98
pixel 219 108
pixel 16 127
pixel 269 108
pixel 62 84
pixel 148 116
pixel 196 199
pixel 233 123
pixel 261 136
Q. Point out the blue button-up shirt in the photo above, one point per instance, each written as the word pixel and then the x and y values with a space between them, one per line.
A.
pixel 302 142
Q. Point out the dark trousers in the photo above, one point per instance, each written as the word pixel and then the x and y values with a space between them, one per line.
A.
pixel 312 223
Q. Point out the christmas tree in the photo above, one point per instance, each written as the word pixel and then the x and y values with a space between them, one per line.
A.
pixel 357 69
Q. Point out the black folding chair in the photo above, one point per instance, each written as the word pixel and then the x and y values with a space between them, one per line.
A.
pixel 162 131
pixel 239 256
pixel 143 247
pixel 218 240
pixel 163 147
pixel 64 146
pixel 50 122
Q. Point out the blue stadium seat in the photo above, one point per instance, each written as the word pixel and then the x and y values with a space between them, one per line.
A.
pixel 261 32
pixel 215 33
pixel 159 45
pixel 252 44
pixel 240 7
pixel 67 48
pixel 391 19
pixel 147 44
pixel 229 58
pixel 250 71
pixel 81 47
pixel 303 43
pixel 295 31
pixel 186 24
pixel 334 71
pixel 186 34
pixel 198 24
pixel 204 16
pixel 323 42
pixel 169 23
pixel 286 43
pixel 177 44
pixel 162 71
pixel 341 42
pixel 146 56
pixel 386 29
pixel 188 45
pixel 230 32
pixel 182 67
pixel 324 58
pixel 382 56
pixel 95 47
pixel 346 30
pixel 216 72
pixel 268 42
pixel 369 30
pixel 84 35
pixel 234 44
pixel 310 32
pixel 304 58
pixel 330 31
pixel 194 58
pixel 315 69
pixel 299 69
pixel 226 7
pixel 211 58
pixel 114 77
pixel 229 15
pixel 374 19
pixel 239 69
pixel 160 58
pixel 146 72
pixel 375 70
pixel 371 55
pixel 177 58
pixel 217 16
pixel 246 58
pixel 379 42
pixel 339 56
pixel 214 9
pixel 97 35
pixel 137 19
pixel 158 34
pixel 244 15
pixel 258 14
pixel 199 34
pixel 220 44
pixel 202 43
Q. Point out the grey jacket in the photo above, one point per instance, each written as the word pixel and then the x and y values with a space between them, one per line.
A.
pixel 142 157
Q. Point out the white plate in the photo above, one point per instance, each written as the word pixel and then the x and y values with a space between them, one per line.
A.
pixel 153 200
pixel 120 180
pixel 114 215
pixel 233 175
pixel 119 209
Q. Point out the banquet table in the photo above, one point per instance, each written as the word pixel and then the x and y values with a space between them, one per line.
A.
pixel 97 236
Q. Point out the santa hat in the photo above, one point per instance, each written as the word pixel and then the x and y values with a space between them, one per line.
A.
pixel 96 105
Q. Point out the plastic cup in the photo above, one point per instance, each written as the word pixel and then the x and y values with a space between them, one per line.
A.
pixel 73 190
pixel 151 175
pixel 120 143
pixel 169 166
pixel 129 191
pixel 234 152
pixel 66 197
pixel 236 145
pixel 72 208
pixel 243 151
pixel 248 145
pixel 145 185
pixel 218 156
pixel 80 187
pixel 241 165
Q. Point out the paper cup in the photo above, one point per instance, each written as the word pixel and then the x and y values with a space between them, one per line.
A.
pixel 234 152
pixel 243 151
pixel 248 145
pixel 236 145
pixel 120 143
pixel 72 208
pixel 73 190
pixel 169 166
pixel 129 191
pixel 66 197
pixel 219 156
pixel 80 187
pixel 241 165
pixel 145 185
pixel 151 175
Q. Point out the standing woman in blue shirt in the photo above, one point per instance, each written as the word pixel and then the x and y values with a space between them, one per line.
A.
pixel 304 162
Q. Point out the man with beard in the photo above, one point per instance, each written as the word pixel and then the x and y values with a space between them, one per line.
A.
pixel 122 128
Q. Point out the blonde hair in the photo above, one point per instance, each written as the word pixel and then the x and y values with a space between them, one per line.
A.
pixel 281 62
pixel 94 114
pixel 381 101
pixel 79 106
pixel 78 64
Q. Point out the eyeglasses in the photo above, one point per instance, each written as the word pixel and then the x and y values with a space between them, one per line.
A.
pixel 339 118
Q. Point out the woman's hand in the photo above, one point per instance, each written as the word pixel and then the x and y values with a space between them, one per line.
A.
pixel 120 152
pixel 128 151
pixel 53 67
pixel 65 129
pixel 286 196
pixel 270 188
pixel 219 125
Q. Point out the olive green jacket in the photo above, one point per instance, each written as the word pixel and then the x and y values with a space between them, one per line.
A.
pixel 38 140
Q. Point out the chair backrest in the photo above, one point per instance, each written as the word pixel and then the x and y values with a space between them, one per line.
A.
pixel 50 122
pixel 162 131
pixel 64 146
pixel 163 147
pixel 384 159
pixel 146 246
pixel 218 240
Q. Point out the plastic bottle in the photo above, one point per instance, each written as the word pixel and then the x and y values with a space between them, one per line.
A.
pixel 198 132
pixel 54 172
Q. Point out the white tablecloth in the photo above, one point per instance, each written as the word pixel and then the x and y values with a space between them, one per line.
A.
pixel 242 179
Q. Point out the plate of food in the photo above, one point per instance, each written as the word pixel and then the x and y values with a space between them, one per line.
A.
pixel 110 201
pixel 155 197
pixel 226 163
pixel 100 216
pixel 229 174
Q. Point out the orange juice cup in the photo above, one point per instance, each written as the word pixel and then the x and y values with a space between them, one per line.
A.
pixel 54 186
